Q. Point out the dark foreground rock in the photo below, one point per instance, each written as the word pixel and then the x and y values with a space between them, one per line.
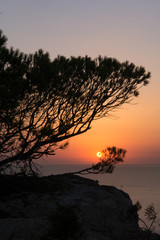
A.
pixel 65 207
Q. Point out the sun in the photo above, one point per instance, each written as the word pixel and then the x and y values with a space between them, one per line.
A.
pixel 99 154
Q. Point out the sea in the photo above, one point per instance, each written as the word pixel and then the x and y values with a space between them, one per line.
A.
pixel 141 182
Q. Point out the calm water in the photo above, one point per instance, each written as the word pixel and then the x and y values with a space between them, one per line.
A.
pixel 141 182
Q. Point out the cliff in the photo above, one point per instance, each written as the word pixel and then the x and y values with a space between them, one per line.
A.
pixel 40 208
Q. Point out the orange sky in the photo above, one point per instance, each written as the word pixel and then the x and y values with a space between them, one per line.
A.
pixel 126 30
pixel 131 130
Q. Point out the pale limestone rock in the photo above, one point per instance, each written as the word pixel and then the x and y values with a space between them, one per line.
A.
pixel 102 210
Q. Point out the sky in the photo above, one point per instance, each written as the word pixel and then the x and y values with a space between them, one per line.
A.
pixel 122 29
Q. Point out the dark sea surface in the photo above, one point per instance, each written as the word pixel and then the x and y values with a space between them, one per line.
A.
pixel 141 182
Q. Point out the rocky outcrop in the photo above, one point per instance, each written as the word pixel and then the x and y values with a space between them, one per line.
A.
pixel 104 212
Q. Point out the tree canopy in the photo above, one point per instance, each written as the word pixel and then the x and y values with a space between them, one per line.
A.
pixel 110 157
pixel 44 102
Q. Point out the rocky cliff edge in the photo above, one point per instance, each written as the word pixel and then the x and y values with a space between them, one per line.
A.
pixel 27 206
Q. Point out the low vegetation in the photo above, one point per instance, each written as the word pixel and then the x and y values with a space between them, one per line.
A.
pixel 64 225
pixel 150 222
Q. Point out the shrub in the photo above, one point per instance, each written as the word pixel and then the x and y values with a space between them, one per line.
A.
pixel 65 225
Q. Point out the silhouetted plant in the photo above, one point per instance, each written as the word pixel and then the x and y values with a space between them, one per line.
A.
pixel 151 216
pixel 151 220
pixel 65 225
pixel 44 102
pixel 110 157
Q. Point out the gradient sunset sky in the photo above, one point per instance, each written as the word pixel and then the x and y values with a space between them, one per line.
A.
pixel 123 29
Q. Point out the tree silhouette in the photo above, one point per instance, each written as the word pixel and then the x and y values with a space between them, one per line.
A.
pixel 45 102
pixel 110 157
pixel 151 220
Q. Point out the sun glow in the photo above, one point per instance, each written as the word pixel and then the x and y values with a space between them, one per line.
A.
pixel 99 154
